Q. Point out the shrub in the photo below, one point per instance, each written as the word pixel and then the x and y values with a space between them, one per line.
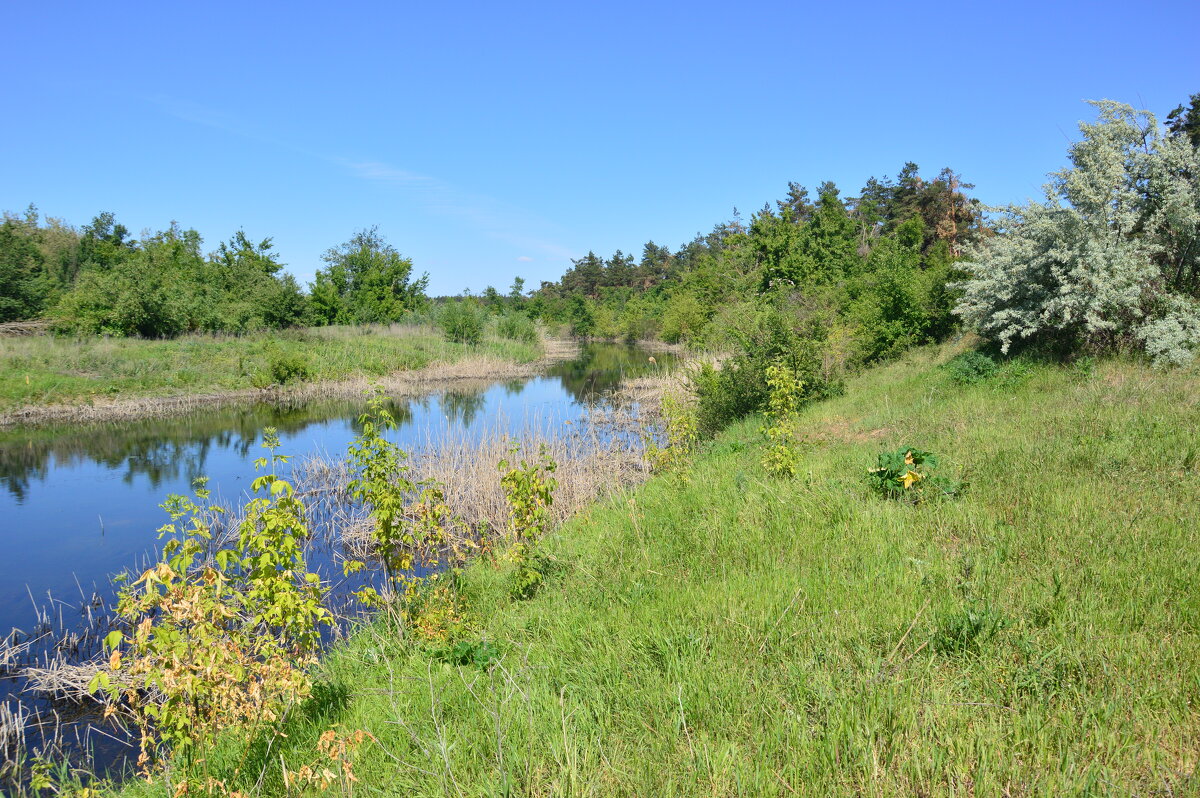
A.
pixel 786 394
pixel 1110 259
pixel 529 491
pixel 517 327
pixel 739 387
pixel 221 642
pixel 462 322
pixel 285 368
pixel 679 429
pixel 683 319
pixel 971 368
pixel 404 536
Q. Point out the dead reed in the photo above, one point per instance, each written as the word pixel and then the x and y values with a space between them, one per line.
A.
pixel 597 456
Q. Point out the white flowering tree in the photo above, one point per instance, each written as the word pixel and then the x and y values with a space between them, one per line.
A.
pixel 1112 256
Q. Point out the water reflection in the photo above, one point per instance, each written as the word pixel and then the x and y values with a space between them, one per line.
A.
pixel 82 502
pixel 178 448
pixel 599 368
pixel 163 450
pixel 463 407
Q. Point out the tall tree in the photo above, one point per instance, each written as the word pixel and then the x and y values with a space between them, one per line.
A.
pixel 796 207
pixel 1185 121
pixel 366 280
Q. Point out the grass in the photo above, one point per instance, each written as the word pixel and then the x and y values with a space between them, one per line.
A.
pixel 41 370
pixel 720 632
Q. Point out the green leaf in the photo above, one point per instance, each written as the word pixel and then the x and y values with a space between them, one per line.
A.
pixel 100 680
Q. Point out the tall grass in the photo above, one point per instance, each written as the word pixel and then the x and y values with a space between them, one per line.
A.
pixel 721 632
pixel 37 370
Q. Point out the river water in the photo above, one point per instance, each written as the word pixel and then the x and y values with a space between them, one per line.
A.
pixel 79 504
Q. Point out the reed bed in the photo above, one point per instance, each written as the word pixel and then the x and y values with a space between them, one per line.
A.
pixel 602 454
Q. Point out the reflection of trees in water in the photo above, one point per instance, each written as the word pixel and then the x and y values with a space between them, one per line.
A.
pixel 601 367
pixel 164 449
pixel 463 406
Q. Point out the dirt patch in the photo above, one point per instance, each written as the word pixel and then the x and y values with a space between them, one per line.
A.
pixel 843 430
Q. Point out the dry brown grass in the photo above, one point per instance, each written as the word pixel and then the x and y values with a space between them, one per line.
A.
pixel 601 456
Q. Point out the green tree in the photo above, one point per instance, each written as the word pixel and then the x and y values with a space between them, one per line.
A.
pixel 1185 121
pixel 22 268
pixel 366 280
pixel 583 322
pixel 1109 258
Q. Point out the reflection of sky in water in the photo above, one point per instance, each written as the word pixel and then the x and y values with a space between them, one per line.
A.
pixel 83 502
pixel 94 517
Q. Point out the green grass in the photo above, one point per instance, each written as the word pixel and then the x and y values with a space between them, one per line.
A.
pixel 45 370
pixel 719 632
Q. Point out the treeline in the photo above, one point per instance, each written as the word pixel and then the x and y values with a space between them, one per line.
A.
pixel 100 280
pixel 869 271
pixel 1110 260
pixel 819 285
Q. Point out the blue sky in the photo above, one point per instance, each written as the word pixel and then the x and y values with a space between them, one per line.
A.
pixel 493 140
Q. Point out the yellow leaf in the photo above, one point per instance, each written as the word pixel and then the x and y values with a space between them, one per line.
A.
pixel 910 478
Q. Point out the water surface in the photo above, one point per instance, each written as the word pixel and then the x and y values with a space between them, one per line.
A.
pixel 79 504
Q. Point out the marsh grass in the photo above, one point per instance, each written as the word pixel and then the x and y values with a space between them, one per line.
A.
pixel 38 371
pixel 717 632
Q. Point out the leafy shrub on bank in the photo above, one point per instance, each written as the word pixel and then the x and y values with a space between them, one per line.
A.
pixel 517 327
pixel 221 642
pixel 782 414
pixel 679 430
pixel 462 322
pixel 529 493
pixel 740 387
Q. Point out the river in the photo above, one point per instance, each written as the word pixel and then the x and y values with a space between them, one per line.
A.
pixel 79 504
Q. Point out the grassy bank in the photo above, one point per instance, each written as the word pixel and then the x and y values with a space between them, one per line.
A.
pixel 40 370
pixel 719 632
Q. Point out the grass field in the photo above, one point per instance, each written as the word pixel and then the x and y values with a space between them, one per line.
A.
pixel 719 632
pixel 39 370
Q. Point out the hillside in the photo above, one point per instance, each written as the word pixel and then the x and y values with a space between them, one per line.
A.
pixel 721 632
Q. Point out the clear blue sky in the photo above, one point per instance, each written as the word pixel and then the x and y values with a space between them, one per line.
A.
pixel 489 140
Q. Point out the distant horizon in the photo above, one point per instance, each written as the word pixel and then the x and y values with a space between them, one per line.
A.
pixel 490 144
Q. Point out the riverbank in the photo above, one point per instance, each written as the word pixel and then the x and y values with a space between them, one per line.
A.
pixel 44 380
pixel 718 631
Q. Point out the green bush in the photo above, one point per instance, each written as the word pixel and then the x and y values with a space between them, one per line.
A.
pixel 971 368
pixel 462 322
pixel 285 368
pixel 517 327
pixel 739 387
